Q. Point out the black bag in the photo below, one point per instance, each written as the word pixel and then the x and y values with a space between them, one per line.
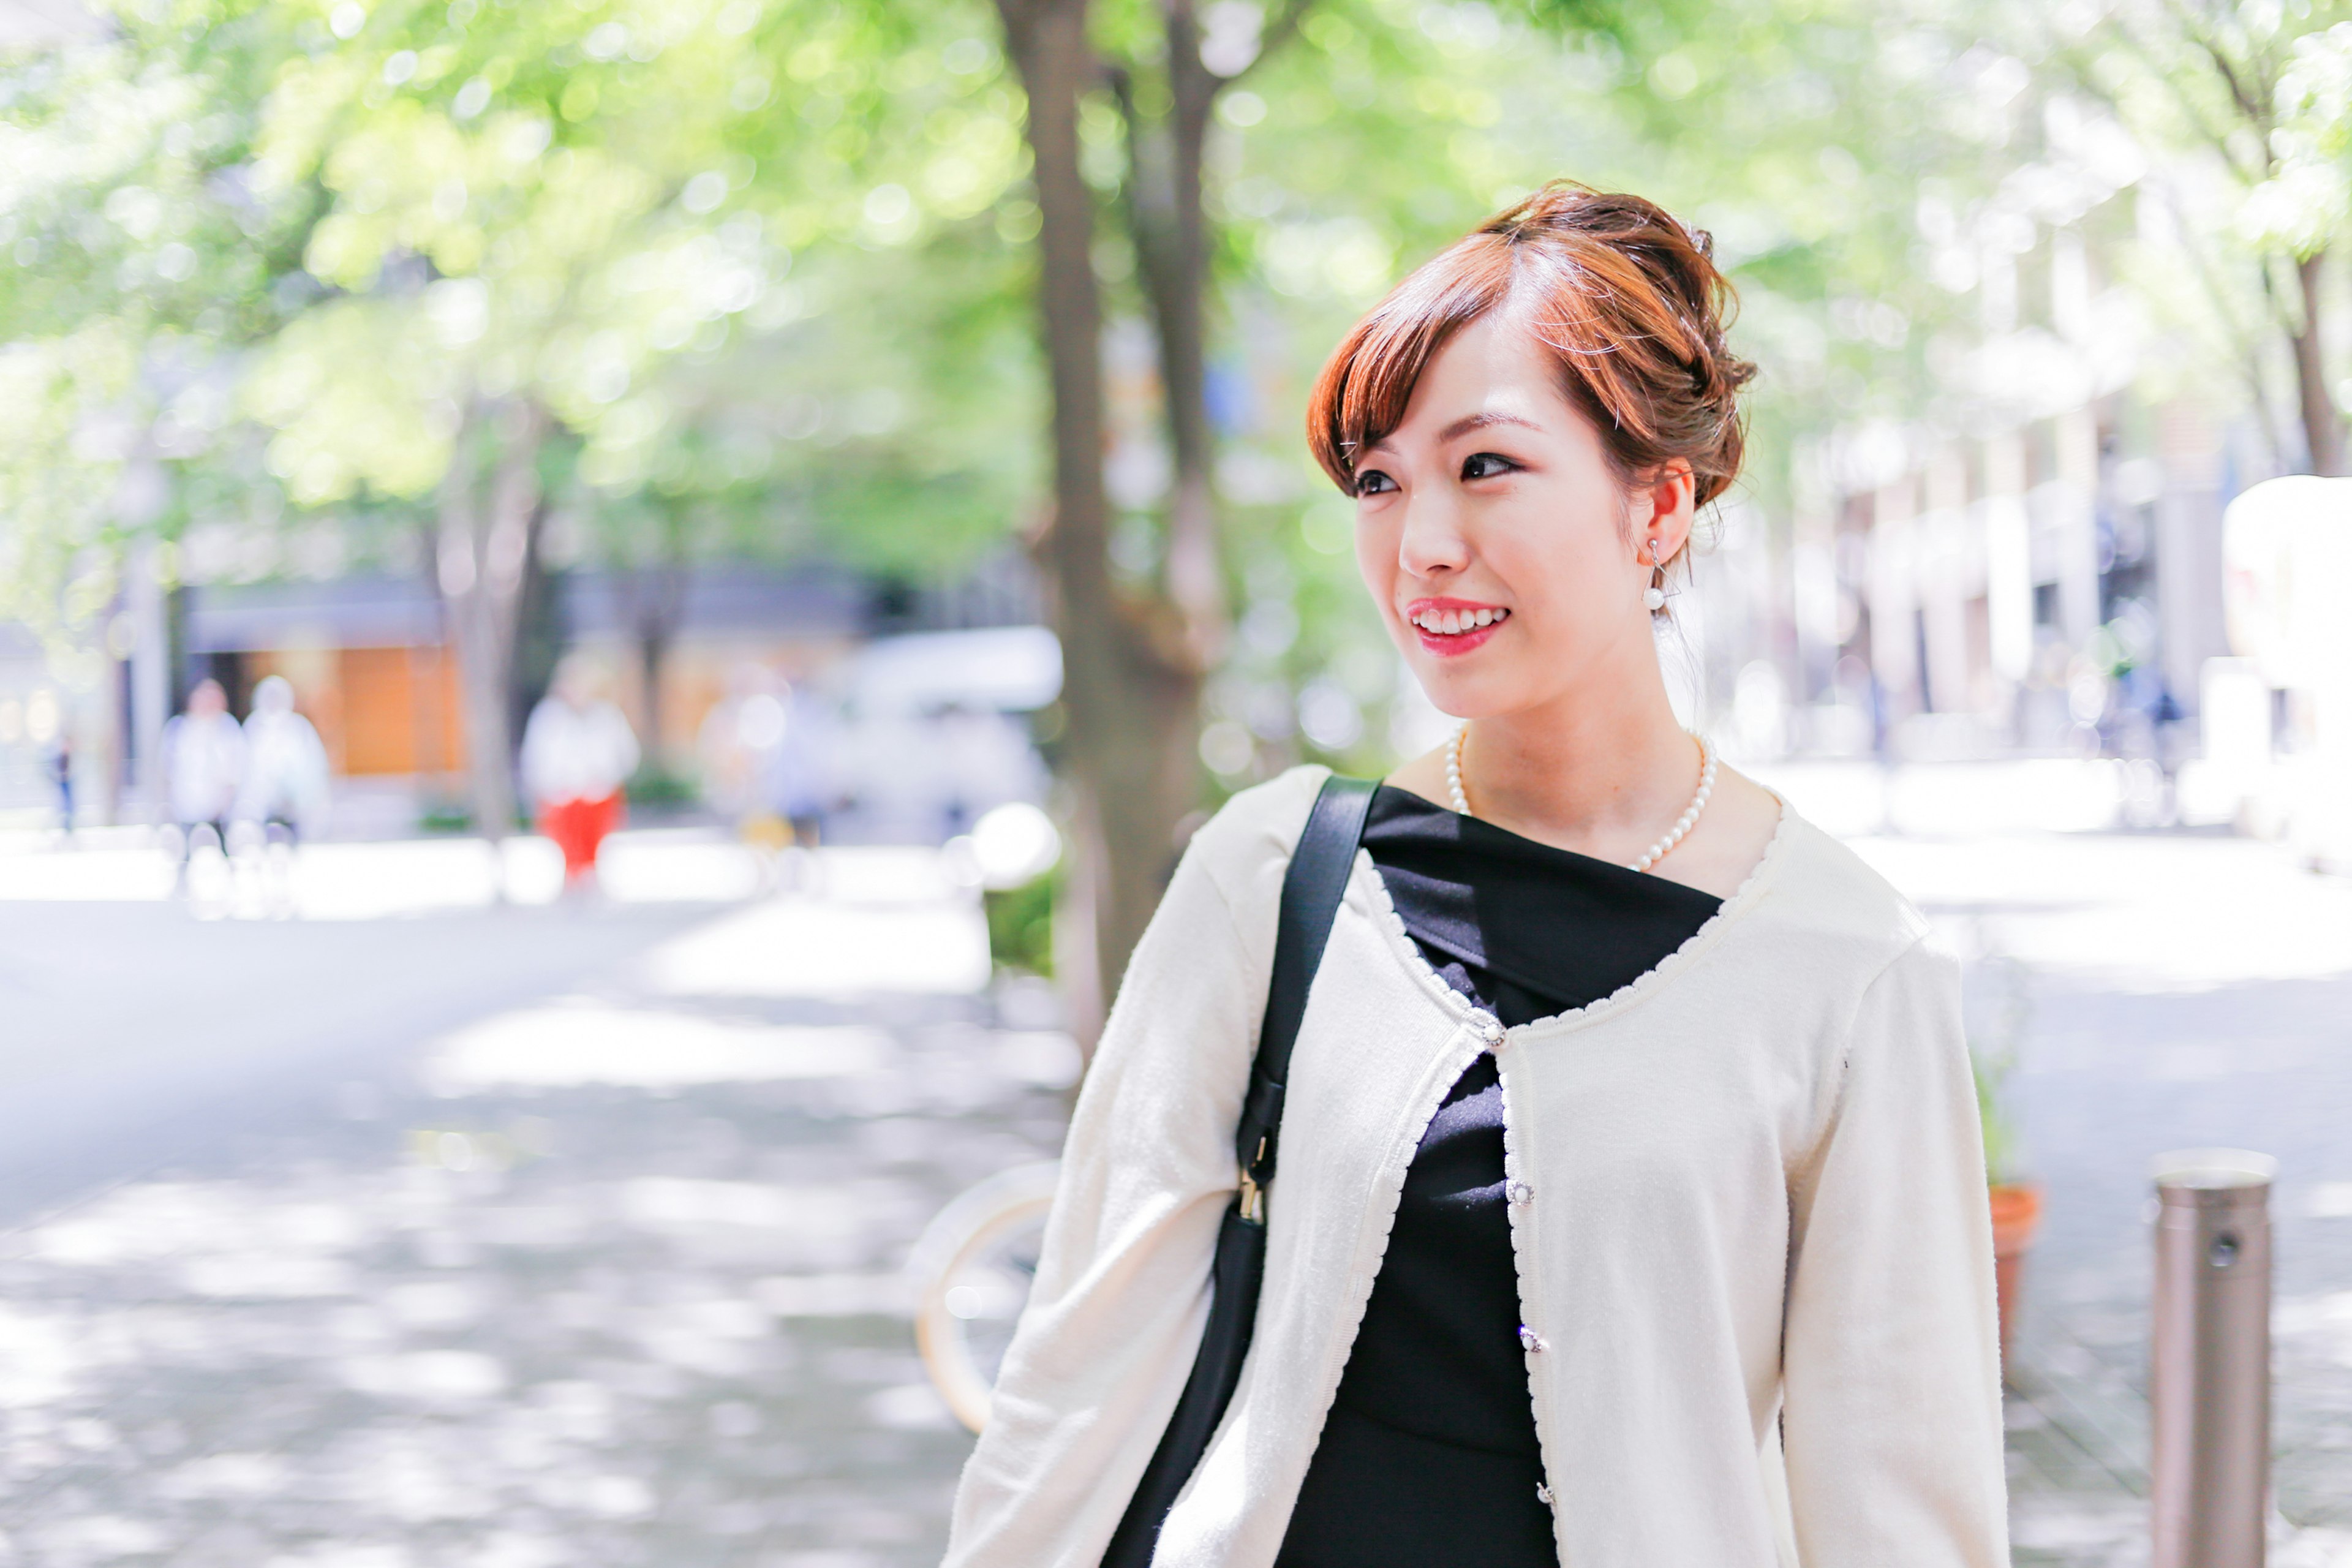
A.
pixel 1310 897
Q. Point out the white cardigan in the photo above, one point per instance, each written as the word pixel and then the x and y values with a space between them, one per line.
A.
pixel 1749 1184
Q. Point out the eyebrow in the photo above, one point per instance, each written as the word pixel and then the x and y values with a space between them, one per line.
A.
pixel 1469 422
pixel 1462 426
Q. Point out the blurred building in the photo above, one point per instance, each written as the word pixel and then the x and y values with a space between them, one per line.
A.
pixel 2054 585
pixel 366 657
pixel 373 667
pixel 370 663
pixel 2032 565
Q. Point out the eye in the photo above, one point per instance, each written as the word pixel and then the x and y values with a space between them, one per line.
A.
pixel 1372 483
pixel 1487 465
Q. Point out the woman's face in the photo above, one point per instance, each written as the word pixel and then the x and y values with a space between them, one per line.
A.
pixel 1493 500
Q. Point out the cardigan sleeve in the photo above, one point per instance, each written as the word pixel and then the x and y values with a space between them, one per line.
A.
pixel 1891 1363
pixel 1121 1295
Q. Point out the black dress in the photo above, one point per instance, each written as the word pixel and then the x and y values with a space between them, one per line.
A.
pixel 1428 1459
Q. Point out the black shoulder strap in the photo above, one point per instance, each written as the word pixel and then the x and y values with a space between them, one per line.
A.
pixel 1311 890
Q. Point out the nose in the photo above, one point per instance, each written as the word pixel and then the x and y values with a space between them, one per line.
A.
pixel 1430 543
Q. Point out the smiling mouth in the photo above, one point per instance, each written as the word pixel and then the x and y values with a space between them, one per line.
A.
pixel 1456 623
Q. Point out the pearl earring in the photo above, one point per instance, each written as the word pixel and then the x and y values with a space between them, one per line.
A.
pixel 1654 597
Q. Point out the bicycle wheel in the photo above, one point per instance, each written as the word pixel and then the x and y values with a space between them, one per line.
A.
pixel 972 1271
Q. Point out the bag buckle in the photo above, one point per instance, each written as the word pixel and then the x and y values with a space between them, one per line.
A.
pixel 1254 1195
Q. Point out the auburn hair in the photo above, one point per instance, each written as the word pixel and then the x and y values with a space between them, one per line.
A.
pixel 1628 300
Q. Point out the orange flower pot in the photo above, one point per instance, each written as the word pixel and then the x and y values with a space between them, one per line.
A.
pixel 2016 1216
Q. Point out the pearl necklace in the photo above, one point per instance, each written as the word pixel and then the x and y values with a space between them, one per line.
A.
pixel 1657 851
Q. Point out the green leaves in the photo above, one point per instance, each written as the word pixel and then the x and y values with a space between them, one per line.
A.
pixel 2302 205
pixel 372 217
pixel 775 257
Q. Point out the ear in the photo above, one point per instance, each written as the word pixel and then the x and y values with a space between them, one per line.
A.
pixel 1667 496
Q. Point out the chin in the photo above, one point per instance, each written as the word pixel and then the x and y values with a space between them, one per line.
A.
pixel 1464 694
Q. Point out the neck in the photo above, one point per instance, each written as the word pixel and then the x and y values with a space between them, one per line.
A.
pixel 1597 762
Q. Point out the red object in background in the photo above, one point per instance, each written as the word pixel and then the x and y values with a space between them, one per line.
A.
pixel 2016 1216
pixel 578 827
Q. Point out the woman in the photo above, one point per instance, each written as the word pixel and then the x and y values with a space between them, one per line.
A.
pixel 578 754
pixel 1629 1139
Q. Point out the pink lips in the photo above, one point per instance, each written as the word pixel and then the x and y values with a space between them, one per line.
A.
pixel 1454 644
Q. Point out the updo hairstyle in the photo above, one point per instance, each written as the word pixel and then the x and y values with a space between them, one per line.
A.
pixel 1628 300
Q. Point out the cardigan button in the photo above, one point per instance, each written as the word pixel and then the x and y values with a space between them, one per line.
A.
pixel 1543 1494
pixel 1529 1341
pixel 1520 1194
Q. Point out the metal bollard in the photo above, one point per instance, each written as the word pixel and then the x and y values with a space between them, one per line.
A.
pixel 2209 1380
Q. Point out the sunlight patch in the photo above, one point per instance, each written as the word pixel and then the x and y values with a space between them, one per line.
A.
pixel 571 1044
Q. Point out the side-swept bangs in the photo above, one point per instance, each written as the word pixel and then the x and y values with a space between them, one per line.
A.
pixel 1628 300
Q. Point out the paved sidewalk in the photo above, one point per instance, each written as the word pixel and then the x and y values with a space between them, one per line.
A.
pixel 2168 993
pixel 609 1279
pixel 610 1276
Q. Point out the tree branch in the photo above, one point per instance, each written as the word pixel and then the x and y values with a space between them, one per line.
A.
pixel 1272 34
pixel 2257 114
pixel 2194 111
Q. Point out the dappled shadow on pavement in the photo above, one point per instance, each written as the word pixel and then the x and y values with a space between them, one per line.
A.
pixel 613 1279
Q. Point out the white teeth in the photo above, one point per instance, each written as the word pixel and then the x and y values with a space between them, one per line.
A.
pixel 1453 623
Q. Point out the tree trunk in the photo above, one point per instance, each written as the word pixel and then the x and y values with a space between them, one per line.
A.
pixel 2323 427
pixel 538 632
pixel 1172 242
pixel 489 511
pixel 1131 698
pixel 653 651
pixel 658 598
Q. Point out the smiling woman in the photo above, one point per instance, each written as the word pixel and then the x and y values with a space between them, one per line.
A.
pixel 1630 1127
pixel 1528 425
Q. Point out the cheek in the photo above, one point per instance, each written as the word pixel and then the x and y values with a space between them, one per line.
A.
pixel 1565 546
pixel 1376 559
pixel 1564 585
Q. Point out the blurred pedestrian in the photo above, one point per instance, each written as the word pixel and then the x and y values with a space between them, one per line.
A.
pixel 1734 1205
pixel 577 751
pixel 203 763
pixel 58 762
pixel 805 784
pixel 741 738
pixel 285 766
